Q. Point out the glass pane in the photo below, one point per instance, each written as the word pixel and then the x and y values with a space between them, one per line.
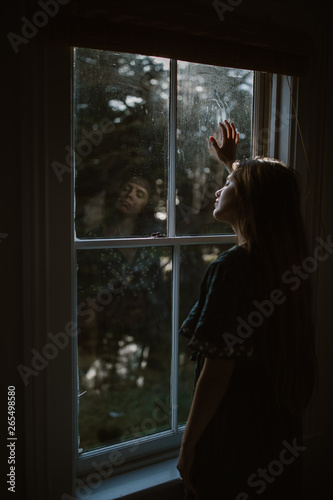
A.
pixel 194 261
pixel 124 345
pixel 207 95
pixel 121 104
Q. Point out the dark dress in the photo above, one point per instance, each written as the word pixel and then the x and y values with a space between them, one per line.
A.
pixel 240 453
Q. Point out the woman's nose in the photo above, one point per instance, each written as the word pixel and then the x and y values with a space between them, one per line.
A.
pixel 218 192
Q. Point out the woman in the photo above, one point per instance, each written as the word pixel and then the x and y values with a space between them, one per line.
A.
pixel 115 341
pixel 252 335
pixel 128 210
pixel 131 209
pixel 131 271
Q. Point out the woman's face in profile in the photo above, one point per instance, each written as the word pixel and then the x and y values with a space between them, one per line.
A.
pixel 132 199
pixel 226 204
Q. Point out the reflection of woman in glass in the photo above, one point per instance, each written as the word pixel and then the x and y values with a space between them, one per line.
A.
pixel 128 213
pixel 130 273
pixel 125 334
pixel 131 269
pixel 131 210
pixel 252 334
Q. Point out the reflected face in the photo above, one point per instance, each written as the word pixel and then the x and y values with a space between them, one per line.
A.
pixel 133 198
pixel 226 204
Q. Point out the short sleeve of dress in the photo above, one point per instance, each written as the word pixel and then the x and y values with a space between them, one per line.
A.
pixel 217 324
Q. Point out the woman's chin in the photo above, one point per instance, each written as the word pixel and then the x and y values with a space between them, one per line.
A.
pixel 218 216
pixel 126 212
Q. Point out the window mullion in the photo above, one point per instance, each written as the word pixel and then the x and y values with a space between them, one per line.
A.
pixel 175 328
pixel 262 96
pixel 172 150
pixel 176 248
pixel 94 244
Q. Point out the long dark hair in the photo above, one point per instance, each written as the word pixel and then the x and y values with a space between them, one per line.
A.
pixel 270 219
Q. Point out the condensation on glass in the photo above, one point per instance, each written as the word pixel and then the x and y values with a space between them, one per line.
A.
pixel 121 109
pixel 207 95
pixel 121 139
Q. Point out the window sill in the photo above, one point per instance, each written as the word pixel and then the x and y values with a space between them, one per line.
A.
pixel 132 484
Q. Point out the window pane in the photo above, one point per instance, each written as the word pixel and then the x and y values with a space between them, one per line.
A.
pixel 207 95
pixel 121 104
pixel 124 345
pixel 194 261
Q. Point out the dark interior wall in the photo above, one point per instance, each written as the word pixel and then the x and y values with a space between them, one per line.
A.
pixel 317 92
pixel 10 249
pixel 309 23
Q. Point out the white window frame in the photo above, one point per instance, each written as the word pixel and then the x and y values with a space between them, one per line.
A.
pixel 49 264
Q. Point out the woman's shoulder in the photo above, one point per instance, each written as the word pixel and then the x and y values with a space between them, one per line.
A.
pixel 234 256
pixel 233 264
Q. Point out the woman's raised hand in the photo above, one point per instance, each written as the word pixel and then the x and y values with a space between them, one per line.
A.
pixel 230 139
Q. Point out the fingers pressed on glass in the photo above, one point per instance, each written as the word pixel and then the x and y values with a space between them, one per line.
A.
pixel 224 131
pixel 229 129
pixel 233 131
pixel 235 135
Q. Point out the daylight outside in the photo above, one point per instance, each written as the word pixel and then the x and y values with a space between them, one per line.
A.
pixel 123 186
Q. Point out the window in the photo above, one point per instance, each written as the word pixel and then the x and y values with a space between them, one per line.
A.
pixel 51 253
pixel 145 183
